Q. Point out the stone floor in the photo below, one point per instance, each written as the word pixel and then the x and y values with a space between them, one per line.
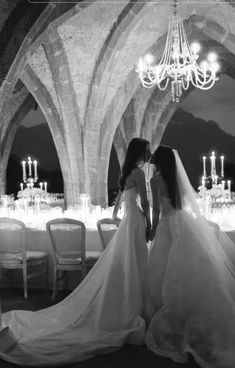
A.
pixel 127 357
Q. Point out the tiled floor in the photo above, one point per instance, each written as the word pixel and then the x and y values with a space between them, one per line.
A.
pixel 127 357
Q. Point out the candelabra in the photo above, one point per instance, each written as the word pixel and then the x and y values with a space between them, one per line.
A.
pixel 214 176
pixel 217 188
pixel 29 178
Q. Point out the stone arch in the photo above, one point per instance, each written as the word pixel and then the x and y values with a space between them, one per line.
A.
pixel 20 59
pixel 32 26
pixel 44 100
pixel 70 115
pixel 9 137
pixel 113 82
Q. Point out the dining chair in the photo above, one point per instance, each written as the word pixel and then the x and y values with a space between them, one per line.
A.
pixel 68 246
pixel 13 253
pixel 106 228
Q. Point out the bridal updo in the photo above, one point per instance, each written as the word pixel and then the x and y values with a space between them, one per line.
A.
pixel 136 156
pixel 164 160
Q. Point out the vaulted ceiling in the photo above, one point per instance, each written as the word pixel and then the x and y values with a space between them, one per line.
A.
pixel 78 59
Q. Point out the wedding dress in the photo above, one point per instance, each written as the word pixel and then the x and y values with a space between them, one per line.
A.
pixel 97 317
pixel 191 285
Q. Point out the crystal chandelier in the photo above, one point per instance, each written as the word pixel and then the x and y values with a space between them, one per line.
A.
pixel 178 63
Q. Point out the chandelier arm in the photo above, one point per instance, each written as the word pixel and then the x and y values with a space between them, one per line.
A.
pixel 145 83
pixel 205 86
pixel 162 88
pixel 203 81
pixel 185 83
pixel 205 75
pixel 208 84
pixel 152 77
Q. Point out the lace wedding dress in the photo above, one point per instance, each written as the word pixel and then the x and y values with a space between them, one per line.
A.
pixel 191 286
pixel 97 317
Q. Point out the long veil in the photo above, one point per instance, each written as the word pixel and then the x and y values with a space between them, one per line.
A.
pixel 216 242
pixel 196 287
pixel 186 193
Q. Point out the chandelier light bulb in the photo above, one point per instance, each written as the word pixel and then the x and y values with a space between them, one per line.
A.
pixel 141 65
pixel 204 65
pixel 148 59
pixel 212 57
pixel 215 67
pixel 195 47
pixel 157 69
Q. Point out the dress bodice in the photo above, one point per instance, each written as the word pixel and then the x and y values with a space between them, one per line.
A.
pixel 130 198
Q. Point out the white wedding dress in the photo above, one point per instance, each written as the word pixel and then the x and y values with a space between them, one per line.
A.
pixel 97 317
pixel 191 286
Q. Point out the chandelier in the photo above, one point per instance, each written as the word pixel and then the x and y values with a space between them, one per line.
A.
pixel 178 63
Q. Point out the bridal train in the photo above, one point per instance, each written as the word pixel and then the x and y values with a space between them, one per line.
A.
pixel 99 316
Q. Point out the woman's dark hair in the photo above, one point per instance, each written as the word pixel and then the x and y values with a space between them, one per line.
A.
pixel 164 160
pixel 135 154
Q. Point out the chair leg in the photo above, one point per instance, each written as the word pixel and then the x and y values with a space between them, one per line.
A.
pixel 66 280
pixel 25 281
pixel 54 283
pixel 83 271
pixel 46 275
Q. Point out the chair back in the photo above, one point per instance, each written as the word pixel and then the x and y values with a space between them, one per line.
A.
pixel 106 228
pixel 67 237
pixel 12 236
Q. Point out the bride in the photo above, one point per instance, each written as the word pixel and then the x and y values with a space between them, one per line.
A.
pixel 105 310
pixel 191 277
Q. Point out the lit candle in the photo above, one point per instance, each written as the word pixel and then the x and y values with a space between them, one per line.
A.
pixel 229 187
pixel 41 184
pixel 85 200
pixel 28 185
pixel 21 186
pixel 45 186
pixel 24 170
pixel 35 169
pixel 30 166
pixel 222 165
pixel 216 179
pixel 223 184
pixel 203 181
pixel 212 157
pixel 204 165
